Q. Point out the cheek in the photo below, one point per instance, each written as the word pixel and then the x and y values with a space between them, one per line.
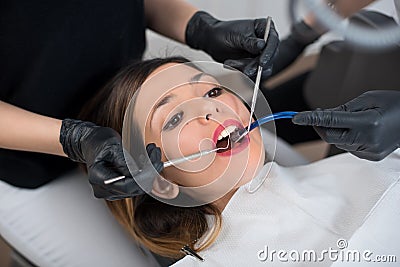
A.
pixel 190 139
pixel 188 179
pixel 237 106
pixel 197 172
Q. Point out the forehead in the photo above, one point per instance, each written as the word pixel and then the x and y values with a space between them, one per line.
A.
pixel 160 82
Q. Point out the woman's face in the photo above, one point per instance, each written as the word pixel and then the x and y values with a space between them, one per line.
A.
pixel 184 111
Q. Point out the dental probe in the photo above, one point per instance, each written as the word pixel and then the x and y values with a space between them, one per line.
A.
pixel 258 79
pixel 175 161
pixel 238 135
pixel 190 157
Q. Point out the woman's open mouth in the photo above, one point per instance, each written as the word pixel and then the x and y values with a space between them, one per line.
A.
pixel 223 141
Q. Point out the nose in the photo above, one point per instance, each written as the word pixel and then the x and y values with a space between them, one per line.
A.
pixel 209 115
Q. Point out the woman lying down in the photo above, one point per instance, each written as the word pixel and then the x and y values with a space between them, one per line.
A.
pixel 230 208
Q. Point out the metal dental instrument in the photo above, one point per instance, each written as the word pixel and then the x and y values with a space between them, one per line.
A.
pixel 257 84
pixel 188 251
pixel 176 161
pixel 234 137
pixel 238 135
pixel 113 180
pixel 193 156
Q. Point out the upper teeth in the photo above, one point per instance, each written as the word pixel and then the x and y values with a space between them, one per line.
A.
pixel 226 132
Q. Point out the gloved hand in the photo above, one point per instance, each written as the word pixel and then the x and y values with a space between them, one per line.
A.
pixel 238 43
pixel 100 148
pixel 367 126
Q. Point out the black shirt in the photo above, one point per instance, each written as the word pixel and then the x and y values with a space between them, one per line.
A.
pixel 54 55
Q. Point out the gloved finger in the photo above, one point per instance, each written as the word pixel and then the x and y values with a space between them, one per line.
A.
pixel 128 186
pixel 349 147
pixel 334 119
pixel 112 165
pixel 250 44
pixel 251 68
pixel 344 139
pixel 159 166
pixel 246 65
pixel 363 102
pixel 107 193
pixel 112 159
pixel 372 156
pixel 99 192
pixel 120 166
pixel 259 27
pixel 267 72
pixel 271 48
pixel 329 135
pixel 237 64
pixel 103 171
pixel 146 176
pixel 153 152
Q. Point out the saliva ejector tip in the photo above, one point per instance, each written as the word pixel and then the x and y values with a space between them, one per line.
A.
pixel 240 133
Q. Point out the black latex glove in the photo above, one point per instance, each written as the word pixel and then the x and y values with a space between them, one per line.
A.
pixel 100 148
pixel 237 43
pixel 367 126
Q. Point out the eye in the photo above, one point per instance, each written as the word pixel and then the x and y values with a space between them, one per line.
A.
pixel 214 92
pixel 173 122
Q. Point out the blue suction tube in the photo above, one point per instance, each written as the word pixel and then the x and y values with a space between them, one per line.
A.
pixel 272 117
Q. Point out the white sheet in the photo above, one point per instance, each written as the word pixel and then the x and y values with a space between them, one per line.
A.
pixel 61 224
pixel 311 208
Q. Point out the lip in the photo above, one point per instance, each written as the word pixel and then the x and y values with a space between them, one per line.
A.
pixel 238 147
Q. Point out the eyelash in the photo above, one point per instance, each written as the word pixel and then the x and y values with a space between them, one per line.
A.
pixel 177 118
pixel 218 91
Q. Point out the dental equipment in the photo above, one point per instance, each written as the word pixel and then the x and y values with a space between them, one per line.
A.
pixel 238 135
pixel 190 252
pixel 177 161
pixel 193 156
pixel 234 138
pixel 258 79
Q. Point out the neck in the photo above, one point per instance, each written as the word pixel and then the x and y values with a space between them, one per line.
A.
pixel 223 201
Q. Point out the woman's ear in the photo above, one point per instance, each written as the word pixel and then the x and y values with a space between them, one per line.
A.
pixel 164 188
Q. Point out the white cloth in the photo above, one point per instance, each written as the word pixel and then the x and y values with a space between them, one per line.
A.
pixel 311 208
pixel 61 224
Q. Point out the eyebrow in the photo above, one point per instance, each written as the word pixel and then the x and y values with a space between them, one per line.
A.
pixel 167 99
pixel 197 77
pixel 163 101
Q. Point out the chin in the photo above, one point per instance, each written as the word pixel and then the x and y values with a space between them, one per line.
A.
pixel 255 164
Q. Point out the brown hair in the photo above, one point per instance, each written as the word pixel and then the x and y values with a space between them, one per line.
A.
pixel 164 229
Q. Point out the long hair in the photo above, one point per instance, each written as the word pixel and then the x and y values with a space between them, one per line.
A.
pixel 163 229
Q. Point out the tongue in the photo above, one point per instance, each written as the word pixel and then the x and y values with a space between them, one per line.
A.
pixel 224 144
